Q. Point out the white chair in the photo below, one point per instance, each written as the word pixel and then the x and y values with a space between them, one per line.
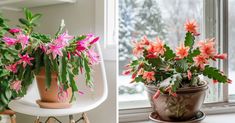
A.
pixel 88 101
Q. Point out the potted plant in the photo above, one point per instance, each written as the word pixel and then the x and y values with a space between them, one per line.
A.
pixel 54 60
pixel 173 78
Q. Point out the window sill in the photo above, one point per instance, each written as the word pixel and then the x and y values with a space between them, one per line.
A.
pixel 141 114
pixel 219 118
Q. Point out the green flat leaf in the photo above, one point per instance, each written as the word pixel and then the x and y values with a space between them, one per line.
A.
pixel 37 61
pixel 64 68
pixel 3 99
pixel 72 82
pixel 139 79
pixel 8 94
pixel 189 40
pixel 214 74
pixel 36 17
pixel 169 54
pixel 24 22
pixel 194 53
pixel 181 66
pixel 48 71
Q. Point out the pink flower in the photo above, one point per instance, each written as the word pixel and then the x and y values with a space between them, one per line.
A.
pixel 221 56
pixel 62 94
pixel 182 51
pixel 81 46
pixel 12 67
pixel 93 56
pixel 94 40
pixel 9 41
pixel 23 40
pixel 14 30
pixel 55 50
pixel 189 74
pixel 200 61
pixel 149 76
pixel 157 48
pixel 63 39
pixel 207 48
pixel 15 85
pixel 191 26
pixel 157 94
pixel 43 48
pixel 25 59
pixel 80 92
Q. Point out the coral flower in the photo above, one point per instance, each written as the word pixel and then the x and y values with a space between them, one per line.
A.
pixel 141 71
pixel 23 40
pixel 149 76
pixel 138 49
pixel 191 26
pixel 55 50
pixel 16 85
pixel 221 56
pixel 182 51
pixel 145 41
pixel 157 48
pixel 25 59
pixel 14 30
pixel 207 47
pixel 63 39
pixel 12 67
pixel 200 61
pixel 9 41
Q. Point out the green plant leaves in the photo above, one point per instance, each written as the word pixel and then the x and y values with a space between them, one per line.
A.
pixel 64 68
pixel 47 70
pixel 189 40
pixel 215 74
pixel 194 53
pixel 169 54
pixel 181 66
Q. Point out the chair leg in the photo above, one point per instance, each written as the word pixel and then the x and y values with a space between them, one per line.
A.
pixel 37 120
pixel 71 119
pixel 13 118
pixel 85 117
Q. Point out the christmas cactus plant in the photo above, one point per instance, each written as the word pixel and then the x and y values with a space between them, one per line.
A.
pixel 24 52
pixel 155 63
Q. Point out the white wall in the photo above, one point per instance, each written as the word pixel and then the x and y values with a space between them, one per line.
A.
pixel 79 19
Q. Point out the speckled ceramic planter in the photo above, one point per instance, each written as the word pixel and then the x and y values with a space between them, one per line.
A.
pixel 181 108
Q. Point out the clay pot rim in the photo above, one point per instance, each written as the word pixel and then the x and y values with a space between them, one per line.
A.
pixel 186 89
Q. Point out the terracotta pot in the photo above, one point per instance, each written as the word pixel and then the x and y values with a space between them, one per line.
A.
pixel 49 97
pixel 181 108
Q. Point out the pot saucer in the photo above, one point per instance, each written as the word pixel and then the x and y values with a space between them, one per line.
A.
pixel 197 119
pixel 53 105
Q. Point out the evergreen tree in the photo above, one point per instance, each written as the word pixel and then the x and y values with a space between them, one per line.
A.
pixel 127 21
pixel 150 21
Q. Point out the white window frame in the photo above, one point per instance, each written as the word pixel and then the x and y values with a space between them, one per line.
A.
pixel 215 18
pixel 105 27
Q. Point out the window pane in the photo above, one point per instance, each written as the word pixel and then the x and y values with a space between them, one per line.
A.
pixel 162 18
pixel 231 48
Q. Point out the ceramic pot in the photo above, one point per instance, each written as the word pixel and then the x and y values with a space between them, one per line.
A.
pixel 49 97
pixel 181 108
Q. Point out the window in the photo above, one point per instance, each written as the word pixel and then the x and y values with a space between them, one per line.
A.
pixel 166 18
pixel 231 48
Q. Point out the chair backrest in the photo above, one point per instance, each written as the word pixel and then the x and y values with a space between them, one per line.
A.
pixel 96 95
